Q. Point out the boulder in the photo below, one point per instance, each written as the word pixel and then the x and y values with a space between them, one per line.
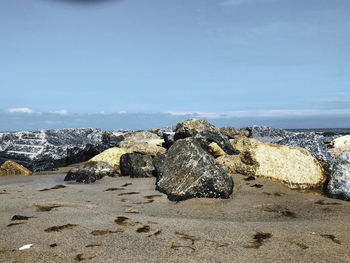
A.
pixel 294 166
pixel 203 128
pixel 168 139
pixel 111 156
pixel 49 149
pixel 144 142
pixel 12 168
pixel 232 133
pixel 117 136
pixel 186 171
pixel 340 145
pixel 167 133
pixel 90 172
pixel 339 182
pixel 216 150
pixel 313 144
pixel 136 165
pixel 168 129
pixel 267 134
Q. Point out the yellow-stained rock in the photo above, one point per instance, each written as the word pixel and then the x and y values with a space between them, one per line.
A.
pixel 243 144
pixel 10 168
pixel 111 156
pixel 144 142
pixel 291 165
pixel 216 150
pixel 147 148
pixel 235 165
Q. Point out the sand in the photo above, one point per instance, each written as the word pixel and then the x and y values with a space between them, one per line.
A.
pixel 263 221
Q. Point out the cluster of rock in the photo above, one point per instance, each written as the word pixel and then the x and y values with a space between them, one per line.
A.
pixel 49 149
pixel 192 159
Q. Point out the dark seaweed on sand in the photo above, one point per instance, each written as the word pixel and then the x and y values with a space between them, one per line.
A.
pixel 259 239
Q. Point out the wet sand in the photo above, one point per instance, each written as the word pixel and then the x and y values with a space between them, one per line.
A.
pixel 126 220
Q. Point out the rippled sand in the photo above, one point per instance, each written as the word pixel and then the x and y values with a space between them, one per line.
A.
pixel 126 220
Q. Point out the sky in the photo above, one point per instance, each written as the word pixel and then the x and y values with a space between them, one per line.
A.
pixel 238 62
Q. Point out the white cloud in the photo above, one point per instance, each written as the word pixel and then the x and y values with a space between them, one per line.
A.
pixel 60 112
pixel 21 110
pixel 122 112
pixel 264 113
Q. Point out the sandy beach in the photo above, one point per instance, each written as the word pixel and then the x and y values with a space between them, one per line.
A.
pixel 126 220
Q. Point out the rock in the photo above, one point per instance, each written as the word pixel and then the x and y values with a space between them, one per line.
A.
pixel 340 145
pixel 144 142
pixel 168 139
pixel 122 132
pixel 117 136
pixel 136 165
pixel 203 128
pixel 294 166
pixel 111 156
pixel 232 133
pixel 313 143
pixel 12 168
pixel 186 171
pixel 167 129
pixel 267 134
pixel 215 150
pixel 49 149
pixel 90 172
pixel 142 136
pixel 339 183
pixel 239 164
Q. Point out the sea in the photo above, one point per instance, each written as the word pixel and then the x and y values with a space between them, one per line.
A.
pixel 322 131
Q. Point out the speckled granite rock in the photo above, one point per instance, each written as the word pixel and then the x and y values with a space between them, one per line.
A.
pixel 90 172
pixel 186 170
pixel 267 134
pixel 136 165
pixel 117 136
pixel 203 128
pixel 340 145
pixel 49 149
pixel 10 168
pixel 313 144
pixel 168 139
pixel 339 183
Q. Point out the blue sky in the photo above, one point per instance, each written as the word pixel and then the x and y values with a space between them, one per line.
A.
pixel 213 58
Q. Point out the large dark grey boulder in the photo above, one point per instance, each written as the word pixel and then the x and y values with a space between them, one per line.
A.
pixel 339 183
pixel 186 171
pixel 136 165
pixel 90 172
pixel 312 143
pixel 49 149
pixel 267 134
pixel 203 128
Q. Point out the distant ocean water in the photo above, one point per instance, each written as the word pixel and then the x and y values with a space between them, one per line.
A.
pixel 323 131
